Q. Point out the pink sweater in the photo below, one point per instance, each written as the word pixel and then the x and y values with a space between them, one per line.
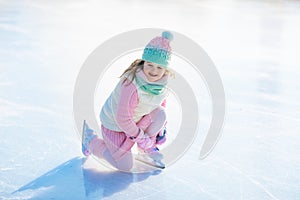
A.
pixel 118 115
pixel 126 107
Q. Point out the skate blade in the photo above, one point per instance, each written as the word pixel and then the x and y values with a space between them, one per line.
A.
pixel 83 148
pixel 152 163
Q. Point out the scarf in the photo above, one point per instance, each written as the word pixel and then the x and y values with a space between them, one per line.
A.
pixel 154 88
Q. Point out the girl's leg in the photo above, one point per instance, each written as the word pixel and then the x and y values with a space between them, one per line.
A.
pixel 154 122
pixel 153 125
pixel 118 149
pixel 112 142
pixel 115 146
pixel 158 123
pixel 125 163
pixel 99 149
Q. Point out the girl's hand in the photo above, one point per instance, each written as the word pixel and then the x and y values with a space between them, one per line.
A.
pixel 138 137
pixel 146 142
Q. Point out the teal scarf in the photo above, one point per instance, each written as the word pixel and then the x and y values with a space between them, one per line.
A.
pixel 150 88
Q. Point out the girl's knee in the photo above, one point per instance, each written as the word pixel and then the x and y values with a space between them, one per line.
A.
pixel 162 115
pixel 125 166
pixel 158 114
pixel 125 163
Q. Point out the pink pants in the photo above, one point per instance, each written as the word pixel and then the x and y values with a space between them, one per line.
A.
pixel 116 146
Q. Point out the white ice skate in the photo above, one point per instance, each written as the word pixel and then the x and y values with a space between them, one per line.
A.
pixel 152 158
pixel 87 136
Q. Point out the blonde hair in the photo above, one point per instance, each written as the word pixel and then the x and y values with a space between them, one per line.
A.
pixel 133 68
pixel 138 64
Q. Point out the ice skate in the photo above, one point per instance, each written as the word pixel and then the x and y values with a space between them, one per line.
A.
pixel 151 157
pixel 87 136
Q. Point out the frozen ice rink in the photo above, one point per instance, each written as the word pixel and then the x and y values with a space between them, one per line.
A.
pixel 255 46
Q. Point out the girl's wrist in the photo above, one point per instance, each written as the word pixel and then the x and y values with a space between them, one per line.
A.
pixel 138 137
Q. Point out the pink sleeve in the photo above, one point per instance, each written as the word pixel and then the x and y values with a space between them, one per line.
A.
pixel 127 103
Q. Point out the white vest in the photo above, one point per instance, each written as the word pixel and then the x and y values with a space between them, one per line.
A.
pixel 146 103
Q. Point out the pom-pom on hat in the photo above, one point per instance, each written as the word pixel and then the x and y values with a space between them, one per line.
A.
pixel 158 50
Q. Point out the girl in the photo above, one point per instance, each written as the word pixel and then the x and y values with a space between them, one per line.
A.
pixel 134 112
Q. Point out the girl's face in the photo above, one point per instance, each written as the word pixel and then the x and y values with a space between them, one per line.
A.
pixel 153 71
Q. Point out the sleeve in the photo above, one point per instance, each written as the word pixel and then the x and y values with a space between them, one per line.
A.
pixel 127 103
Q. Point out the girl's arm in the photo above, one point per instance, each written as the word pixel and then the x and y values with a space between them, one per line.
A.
pixel 127 103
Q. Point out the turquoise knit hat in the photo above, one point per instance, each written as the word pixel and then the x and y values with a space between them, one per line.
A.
pixel 158 50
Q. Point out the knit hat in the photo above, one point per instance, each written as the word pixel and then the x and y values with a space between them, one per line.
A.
pixel 158 50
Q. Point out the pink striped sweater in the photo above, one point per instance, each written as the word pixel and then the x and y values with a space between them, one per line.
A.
pixel 127 104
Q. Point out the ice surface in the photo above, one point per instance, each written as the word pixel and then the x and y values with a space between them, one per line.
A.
pixel 255 46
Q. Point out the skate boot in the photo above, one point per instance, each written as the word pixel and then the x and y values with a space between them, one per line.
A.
pixel 151 157
pixel 161 137
pixel 87 136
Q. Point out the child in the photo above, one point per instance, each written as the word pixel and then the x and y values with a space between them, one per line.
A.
pixel 134 112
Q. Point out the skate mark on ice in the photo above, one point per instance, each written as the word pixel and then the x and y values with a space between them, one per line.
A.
pixel 252 180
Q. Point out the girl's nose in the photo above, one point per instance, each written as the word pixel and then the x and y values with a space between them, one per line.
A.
pixel 153 69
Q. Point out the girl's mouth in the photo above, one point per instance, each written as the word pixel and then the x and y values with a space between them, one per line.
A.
pixel 152 75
